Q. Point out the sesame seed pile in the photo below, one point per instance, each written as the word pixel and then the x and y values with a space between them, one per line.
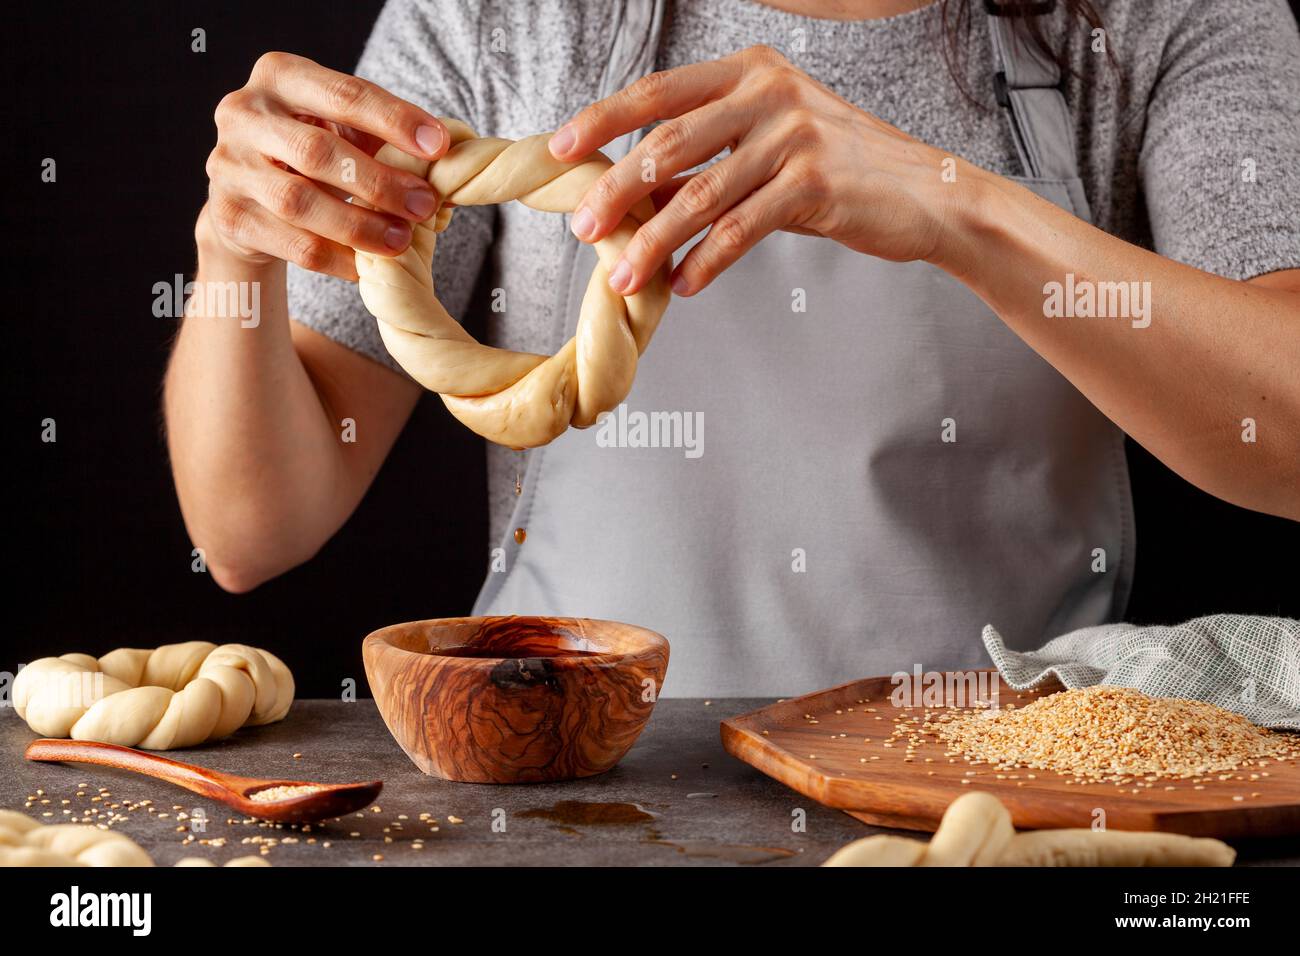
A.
pixel 1106 733
pixel 275 794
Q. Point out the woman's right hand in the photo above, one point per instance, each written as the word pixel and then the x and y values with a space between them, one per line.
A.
pixel 292 145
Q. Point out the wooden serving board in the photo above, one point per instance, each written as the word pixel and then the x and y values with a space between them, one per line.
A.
pixel 816 745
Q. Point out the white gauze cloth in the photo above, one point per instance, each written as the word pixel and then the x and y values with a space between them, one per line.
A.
pixel 1249 665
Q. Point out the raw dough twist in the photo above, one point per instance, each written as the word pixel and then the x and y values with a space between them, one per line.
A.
pixel 26 842
pixel 976 830
pixel 179 695
pixel 513 398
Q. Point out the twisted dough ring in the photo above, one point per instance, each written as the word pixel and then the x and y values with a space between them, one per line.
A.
pixel 26 842
pixel 179 695
pixel 976 830
pixel 513 398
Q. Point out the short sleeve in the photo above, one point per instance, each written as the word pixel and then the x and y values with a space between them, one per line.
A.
pixel 426 52
pixel 1220 161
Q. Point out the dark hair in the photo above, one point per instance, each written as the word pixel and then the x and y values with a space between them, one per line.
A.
pixel 1027 21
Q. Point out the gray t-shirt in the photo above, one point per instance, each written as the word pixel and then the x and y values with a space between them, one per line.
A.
pixel 1189 144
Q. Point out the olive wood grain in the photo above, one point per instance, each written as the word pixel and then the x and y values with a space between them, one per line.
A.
pixel 888 791
pixel 335 799
pixel 555 699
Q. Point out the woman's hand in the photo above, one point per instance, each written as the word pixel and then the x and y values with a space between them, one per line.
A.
pixel 292 145
pixel 802 159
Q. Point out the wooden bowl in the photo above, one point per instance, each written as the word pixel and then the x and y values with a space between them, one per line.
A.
pixel 515 699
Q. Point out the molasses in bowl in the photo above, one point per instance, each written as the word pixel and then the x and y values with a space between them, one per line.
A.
pixel 515 699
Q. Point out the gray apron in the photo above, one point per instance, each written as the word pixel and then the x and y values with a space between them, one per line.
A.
pixel 828 531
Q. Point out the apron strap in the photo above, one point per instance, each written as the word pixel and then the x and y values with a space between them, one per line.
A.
pixel 1028 86
pixel 637 29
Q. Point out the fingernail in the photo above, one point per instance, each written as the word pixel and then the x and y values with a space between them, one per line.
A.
pixel 583 223
pixel 420 203
pixel 429 139
pixel 397 236
pixel 680 285
pixel 620 277
pixel 563 141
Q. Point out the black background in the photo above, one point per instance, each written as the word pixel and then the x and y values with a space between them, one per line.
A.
pixel 97 554
pixel 1096 897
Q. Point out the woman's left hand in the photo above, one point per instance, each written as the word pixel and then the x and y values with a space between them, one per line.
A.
pixel 802 159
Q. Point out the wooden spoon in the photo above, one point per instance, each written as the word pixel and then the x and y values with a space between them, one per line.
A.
pixel 331 800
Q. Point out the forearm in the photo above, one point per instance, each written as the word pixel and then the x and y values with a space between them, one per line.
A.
pixel 1215 353
pixel 257 461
